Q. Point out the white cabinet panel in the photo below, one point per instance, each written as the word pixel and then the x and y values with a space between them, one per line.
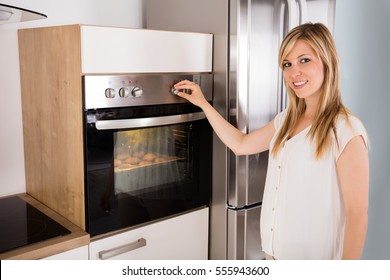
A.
pixel 121 50
pixel 184 237
pixel 80 253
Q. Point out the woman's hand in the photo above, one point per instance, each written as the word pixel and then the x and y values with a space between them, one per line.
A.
pixel 196 97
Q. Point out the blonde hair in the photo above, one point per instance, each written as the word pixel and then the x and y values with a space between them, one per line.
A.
pixel 330 105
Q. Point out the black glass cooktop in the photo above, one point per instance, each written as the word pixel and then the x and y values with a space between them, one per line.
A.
pixel 21 224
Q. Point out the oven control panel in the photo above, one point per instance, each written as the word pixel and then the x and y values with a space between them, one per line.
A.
pixel 139 90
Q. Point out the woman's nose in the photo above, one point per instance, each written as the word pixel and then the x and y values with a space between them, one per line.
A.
pixel 295 71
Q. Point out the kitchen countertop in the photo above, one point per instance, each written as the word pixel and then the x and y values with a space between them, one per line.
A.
pixel 77 237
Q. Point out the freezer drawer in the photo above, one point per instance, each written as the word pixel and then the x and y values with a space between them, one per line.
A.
pixel 244 241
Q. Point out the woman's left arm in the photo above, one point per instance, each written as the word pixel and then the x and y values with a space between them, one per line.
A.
pixel 353 171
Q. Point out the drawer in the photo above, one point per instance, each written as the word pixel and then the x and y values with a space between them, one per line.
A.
pixel 180 238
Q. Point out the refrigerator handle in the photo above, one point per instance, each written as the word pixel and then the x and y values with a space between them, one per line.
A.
pixel 302 11
pixel 282 93
pixel 284 29
pixel 292 14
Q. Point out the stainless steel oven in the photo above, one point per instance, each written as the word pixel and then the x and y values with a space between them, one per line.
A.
pixel 147 151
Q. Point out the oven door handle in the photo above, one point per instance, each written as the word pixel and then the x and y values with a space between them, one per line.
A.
pixel 148 122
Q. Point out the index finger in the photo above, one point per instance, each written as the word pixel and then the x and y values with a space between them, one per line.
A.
pixel 184 82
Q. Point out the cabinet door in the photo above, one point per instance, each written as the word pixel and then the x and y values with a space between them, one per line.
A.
pixel 121 50
pixel 80 253
pixel 180 238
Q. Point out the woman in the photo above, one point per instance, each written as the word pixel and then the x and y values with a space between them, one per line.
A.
pixel 316 195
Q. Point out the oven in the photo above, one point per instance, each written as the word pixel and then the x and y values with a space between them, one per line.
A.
pixel 148 152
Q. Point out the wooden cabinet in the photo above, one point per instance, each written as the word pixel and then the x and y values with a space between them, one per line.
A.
pixel 51 86
pixel 183 237
pixel 52 63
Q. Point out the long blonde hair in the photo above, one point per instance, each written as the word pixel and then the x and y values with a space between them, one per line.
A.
pixel 330 105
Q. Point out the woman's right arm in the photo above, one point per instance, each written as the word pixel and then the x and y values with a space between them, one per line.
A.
pixel 240 143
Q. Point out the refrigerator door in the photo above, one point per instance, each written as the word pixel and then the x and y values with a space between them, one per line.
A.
pixel 256 30
pixel 243 236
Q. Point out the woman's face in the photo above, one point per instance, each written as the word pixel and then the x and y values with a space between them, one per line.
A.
pixel 303 71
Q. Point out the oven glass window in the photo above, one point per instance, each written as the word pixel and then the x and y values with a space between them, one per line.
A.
pixel 148 162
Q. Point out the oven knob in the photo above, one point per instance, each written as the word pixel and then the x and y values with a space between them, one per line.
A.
pixel 174 91
pixel 110 93
pixel 124 92
pixel 137 92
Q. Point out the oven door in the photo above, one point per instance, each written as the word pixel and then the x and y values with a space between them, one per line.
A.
pixel 140 169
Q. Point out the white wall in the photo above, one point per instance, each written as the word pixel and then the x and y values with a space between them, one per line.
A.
pixel 126 13
pixel 362 33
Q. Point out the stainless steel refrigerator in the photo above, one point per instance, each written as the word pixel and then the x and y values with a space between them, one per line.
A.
pixel 248 91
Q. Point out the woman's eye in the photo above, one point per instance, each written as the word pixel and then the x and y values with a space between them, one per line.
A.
pixel 286 64
pixel 305 60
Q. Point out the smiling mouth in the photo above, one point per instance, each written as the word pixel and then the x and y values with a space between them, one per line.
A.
pixel 300 83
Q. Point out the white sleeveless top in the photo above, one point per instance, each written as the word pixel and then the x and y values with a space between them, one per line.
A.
pixel 302 214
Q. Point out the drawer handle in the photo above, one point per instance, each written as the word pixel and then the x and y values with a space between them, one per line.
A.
pixel 106 254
